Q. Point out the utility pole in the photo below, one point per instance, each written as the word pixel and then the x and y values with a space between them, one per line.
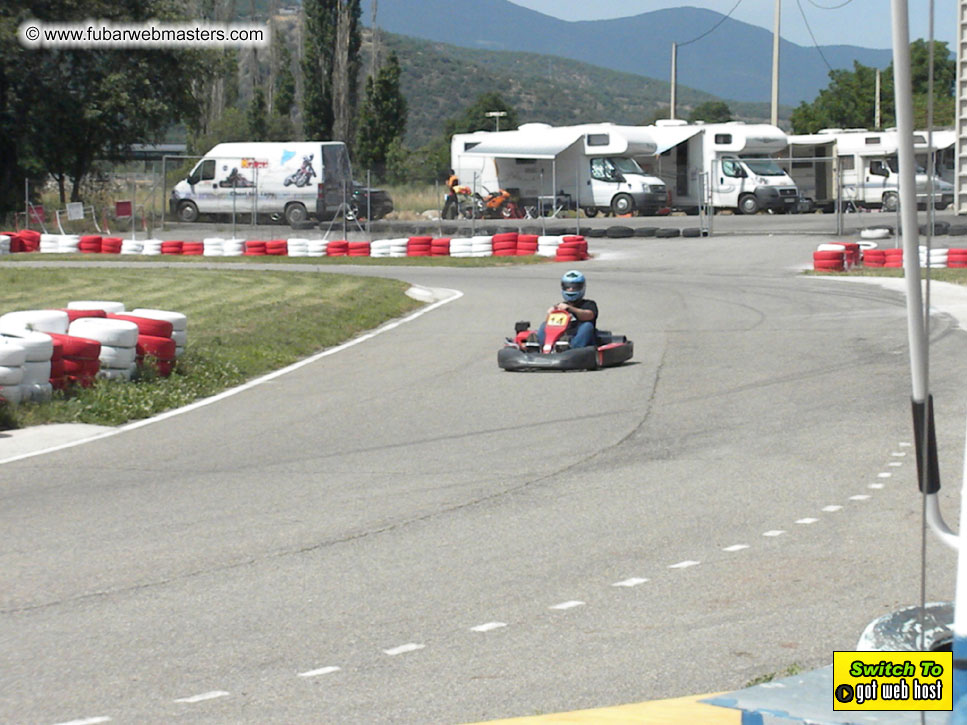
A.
pixel 775 66
pixel 876 110
pixel 671 110
pixel 496 115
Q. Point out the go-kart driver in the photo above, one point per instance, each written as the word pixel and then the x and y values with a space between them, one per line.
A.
pixel 583 310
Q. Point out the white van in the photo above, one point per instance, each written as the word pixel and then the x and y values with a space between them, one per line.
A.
pixel 289 179
pixel 589 165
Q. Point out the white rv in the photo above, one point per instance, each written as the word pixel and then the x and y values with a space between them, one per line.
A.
pixel 723 165
pixel 292 179
pixel 590 166
pixel 869 169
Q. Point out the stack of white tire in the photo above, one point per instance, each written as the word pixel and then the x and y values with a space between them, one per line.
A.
pixel 298 247
pixel 214 247
pixel 481 246
pixel 132 246
pixel 50 243
pixel 934 258
pixel 233 247
pixel 547 246
pixel 4 244
pixel 179 325
pixel 151 247
pixel 27 329
pixel 12 359
pixel 317 248
pixel 461 247
pixel 109 306
pixel 119 340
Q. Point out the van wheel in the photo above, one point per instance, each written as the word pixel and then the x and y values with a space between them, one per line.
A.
pixel 622 204
pixel 187 212
pixel 890 201
pixel 748 204
pixel 295 214
pixel 590 211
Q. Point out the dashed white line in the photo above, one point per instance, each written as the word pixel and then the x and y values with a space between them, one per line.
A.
pixel 807 521
pixel 876 486
pixel 632 582
pixel 831 509
pixel 87 721
pixel 684 564
pixel 403 649
pixel 860 497
pixel 773 532
pixel 568 605
pixel 736 547
pixel 203 696
pixel 884 475
pixel 488 627
pixel 904 444
pixel 895 464
pixel 898 454
pixel 320 671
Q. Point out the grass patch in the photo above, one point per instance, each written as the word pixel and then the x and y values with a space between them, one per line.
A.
pixel 283 260
pixel 793 669
pixel 955 275
pixel 241 324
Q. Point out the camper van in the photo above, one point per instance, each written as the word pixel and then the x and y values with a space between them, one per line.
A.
pixel 869 169
pixel 722 165
pixel 591 166
pixel 291 180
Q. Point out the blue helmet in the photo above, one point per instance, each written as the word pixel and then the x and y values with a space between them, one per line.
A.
pixel 572 286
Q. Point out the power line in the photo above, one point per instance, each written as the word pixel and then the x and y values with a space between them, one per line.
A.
pixel 815 44
pixel 832 7
pixel 712 29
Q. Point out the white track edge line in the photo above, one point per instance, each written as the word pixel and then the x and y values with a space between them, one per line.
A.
pixel 453 295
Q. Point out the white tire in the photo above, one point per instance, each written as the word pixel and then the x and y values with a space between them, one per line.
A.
pixel 11 393
pixel 179 351
pixel 831 247
pixel 38 345
pixel 37 393
pixel 115 307
pixel 38 320
pixel 117 357
pixel 117 333
pixel 36 373
pixel 875 234
pixel 180 337
pixel 12 354
pixel 178 321
pixel 10 375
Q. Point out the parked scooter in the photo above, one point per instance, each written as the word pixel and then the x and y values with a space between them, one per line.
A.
pixel 494 205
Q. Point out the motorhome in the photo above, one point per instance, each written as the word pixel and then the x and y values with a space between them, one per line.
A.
pixel 292 180
pixel 591 166
pixel 721 165
pixel 868 168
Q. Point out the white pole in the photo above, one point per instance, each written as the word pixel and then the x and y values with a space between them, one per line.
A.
pixel 671 110
pixel 775 66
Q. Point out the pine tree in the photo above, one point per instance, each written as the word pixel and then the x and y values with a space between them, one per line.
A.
pixel 382 118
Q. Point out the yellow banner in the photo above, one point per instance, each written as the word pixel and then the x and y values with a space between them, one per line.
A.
pixel 892 680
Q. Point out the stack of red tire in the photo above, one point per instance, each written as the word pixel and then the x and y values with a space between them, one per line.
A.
pixel 505 245
pixel 852 256
pixel 338 248
pixel 171 247
pixel 440 247
pixel 894 257
pixel 874 257
pixel 526 245
pixel 358 249
pixel 254 248
pixel 58 374
pixel 193 249
pixel 80 360
pixel 957 257
pixel 111 245
pixel 154 340
pixel 277 248
pixel 829 260
pixel 30 240
pixel 419 246
pixel 89 244
pixel 572 249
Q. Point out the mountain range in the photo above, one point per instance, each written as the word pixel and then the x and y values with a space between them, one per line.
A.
pixel 733 62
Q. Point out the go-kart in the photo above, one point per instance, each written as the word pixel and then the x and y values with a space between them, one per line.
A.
pixel 524 352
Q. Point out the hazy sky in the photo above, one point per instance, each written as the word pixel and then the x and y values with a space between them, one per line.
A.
pixel 834 22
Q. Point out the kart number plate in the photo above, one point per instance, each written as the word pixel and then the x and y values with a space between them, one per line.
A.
pixel 558 319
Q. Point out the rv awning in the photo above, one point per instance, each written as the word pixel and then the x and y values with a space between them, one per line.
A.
pixel 670 136
pixel 547 144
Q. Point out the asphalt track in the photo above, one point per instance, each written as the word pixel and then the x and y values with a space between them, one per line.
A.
pixel 403 533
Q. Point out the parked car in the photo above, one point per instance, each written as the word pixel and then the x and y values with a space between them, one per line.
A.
pixel 377 201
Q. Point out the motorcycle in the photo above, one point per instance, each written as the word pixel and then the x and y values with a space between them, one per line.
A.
pixel 494 205
pixel 524 352
pixel 303 175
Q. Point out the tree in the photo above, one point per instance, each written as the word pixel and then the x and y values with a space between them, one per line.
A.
pixel 62 108
pixel 475 117
pixel 284 97
pixel 711 112
pixel 258 126
pixel 330 67
pixel 382 117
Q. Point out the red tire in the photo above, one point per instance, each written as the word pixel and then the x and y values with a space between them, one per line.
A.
pixel 827 255
pixel 147 325
pixel 163 348
pixel 829 264
pixel 77 347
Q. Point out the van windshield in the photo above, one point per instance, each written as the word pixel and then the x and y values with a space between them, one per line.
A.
pixel 765 167
pixel 627 166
